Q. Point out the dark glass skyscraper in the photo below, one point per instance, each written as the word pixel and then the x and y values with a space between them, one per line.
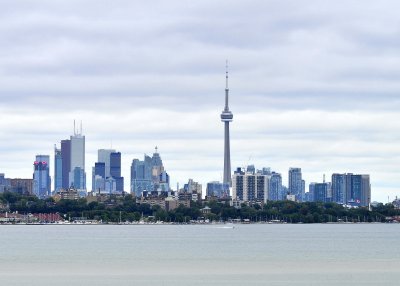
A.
pixel 115 164
pixel 100 169
pixel 115 170
pixel 66 162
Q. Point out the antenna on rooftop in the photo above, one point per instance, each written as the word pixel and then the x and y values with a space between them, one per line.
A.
pixel 74 128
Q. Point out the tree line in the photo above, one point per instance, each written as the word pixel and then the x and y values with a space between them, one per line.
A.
pixel 125 208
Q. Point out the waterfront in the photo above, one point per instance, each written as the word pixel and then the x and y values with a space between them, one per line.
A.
pixel 283 254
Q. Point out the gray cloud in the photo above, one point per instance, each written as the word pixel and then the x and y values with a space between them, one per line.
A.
pixel 313 83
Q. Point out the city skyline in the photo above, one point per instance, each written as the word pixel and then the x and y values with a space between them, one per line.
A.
pixel 313 85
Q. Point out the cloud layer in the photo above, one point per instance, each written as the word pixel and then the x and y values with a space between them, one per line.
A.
pixel 313 84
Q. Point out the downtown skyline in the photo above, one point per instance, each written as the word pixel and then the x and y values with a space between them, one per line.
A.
pixel 312 85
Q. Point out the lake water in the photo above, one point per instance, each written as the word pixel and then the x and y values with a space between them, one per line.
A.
pixel 328 254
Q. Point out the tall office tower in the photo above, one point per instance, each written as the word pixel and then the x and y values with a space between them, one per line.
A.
pixel 250 187
pixel 104 157
pixel 157 168
pixel 226 117
pixel 163 185
pixel 115 164
pixel 57 169
pixel 98 178
pixel 41 177
pixel 141 177
pixel 77 174
pixel 65 162
pixel 148 175
pixel 115 171
pixel 296 184
pixel 275 187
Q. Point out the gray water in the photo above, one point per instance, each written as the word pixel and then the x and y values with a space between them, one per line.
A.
pixel 339 254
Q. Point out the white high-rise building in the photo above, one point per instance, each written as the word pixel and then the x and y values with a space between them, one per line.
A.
pixel 77 174
pixel 250 186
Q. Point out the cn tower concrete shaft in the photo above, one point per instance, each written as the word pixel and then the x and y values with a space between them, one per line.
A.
pixel 226 117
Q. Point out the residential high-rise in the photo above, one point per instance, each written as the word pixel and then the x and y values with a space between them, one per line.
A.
pixel 249 186
pixel 351 189
pixel 41 177
pixel 296 183
pixel 58 170
pixel 320 192
pixel 227 117
pixel 275 187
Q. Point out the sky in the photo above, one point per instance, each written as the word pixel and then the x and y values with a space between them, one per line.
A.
pixel 313 84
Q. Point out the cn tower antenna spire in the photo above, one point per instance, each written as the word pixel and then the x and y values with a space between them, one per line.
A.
pixel 226 74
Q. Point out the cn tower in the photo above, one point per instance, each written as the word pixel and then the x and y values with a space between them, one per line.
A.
pixel 226 117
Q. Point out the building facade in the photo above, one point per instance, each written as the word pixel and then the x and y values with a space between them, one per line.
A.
pixel 350 189
pixel 249 187
pixel 275 187
pixel 217 189
pixel 296 184
pixel 57 169
pixel 149 175
pixel 41 177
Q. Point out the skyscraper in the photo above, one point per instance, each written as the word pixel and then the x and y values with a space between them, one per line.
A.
pixel 107 172
pixel 41 176
pixel 104 157
pixel 115 164
pixel 57 169
pixel 71 158
pixel 275 187
pixel 351 189
pixel 250 186
pixel 296 183
pixel 98 178
pixel 66 162
pixel 141 177
pixel 320 192
pixel 226 117
pixel 115 171
pixel 77 174
pixel 148 175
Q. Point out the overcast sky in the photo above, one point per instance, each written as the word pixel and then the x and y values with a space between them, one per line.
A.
pixel 313 84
